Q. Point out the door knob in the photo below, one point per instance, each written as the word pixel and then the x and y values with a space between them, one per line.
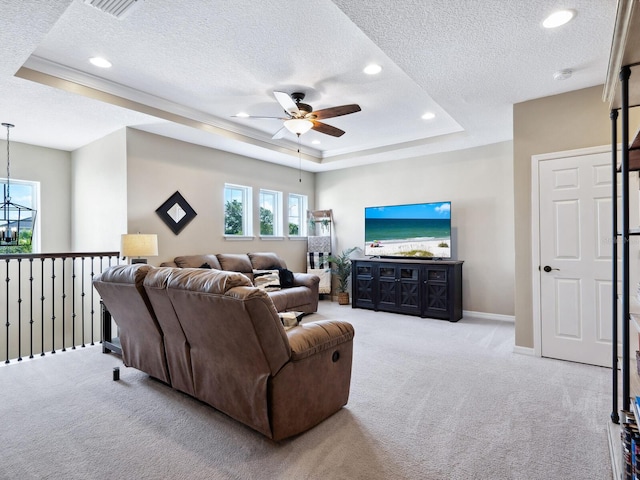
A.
pixel 547 268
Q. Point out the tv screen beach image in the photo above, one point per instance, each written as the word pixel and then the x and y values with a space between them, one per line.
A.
pixel 416 230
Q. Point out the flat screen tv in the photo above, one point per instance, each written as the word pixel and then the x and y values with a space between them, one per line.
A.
pixel 417 230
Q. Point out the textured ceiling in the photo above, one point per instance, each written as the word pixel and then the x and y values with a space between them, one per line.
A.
pixel 183 69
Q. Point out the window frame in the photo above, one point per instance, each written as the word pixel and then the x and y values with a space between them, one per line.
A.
pixel 35 204
pixel 247 211
pixel 276 197
pixel 303 202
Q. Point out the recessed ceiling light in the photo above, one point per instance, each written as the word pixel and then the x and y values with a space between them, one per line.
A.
pixel 563 74
pixel 242 115
pixel 428 116
pixel 558 18
pixel 316 142
pixel 372 69
pixel 100 62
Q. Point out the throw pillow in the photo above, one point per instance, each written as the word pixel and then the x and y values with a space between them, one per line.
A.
pixel 286 278
pixel 268 280
pixel 205 265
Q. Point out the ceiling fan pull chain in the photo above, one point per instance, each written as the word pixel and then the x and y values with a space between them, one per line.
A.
pixel 299 161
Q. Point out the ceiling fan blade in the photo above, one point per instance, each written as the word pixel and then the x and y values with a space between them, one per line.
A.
pixel 259 116
pixel 327 129
pixel 336 111
pixel 280 133
pixel 286 102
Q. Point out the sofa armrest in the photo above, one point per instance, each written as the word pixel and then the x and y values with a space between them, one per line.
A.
pixel 309 339
pixel 169 264
pixel 306 280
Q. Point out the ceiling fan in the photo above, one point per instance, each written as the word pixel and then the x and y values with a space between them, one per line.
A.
pixel 301 118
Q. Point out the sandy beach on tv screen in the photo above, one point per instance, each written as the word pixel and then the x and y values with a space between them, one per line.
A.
pixel 400 247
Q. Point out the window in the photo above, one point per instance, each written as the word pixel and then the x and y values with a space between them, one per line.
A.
pixel 26 194
pixel 297 212
pixel 270 213
pixel 237 210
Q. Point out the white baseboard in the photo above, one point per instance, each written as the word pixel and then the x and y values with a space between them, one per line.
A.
pixel 489 316
pixel 523 350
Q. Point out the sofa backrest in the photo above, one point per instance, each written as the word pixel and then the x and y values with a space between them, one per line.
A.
pixel 231 262
pixel 178 351
pixel 121 289
pixel 266 261
pixel 236 339
pixel 197 261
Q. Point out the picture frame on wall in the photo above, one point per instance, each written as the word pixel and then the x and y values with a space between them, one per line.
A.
pixel 176 213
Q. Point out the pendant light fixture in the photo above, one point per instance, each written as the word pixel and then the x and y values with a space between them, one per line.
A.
pixel 16 221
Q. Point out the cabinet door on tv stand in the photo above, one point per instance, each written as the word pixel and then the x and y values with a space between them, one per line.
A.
pixel 363 285
pixel 408 278
pixel 387 288
pixel 435 294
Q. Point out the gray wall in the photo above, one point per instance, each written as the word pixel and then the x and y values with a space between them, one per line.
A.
pixel 52 168
pixel 158 166
pixel 478 182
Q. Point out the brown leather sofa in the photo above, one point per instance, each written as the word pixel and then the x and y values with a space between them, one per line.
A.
pixel 214 336
pixel 302 296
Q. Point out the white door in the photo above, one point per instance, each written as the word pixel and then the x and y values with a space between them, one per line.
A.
pixel 575 257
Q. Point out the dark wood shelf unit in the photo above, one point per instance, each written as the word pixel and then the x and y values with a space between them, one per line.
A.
pixel 622 92
pixel 425 288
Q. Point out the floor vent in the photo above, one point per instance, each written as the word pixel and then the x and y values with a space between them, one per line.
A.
pixel 116 8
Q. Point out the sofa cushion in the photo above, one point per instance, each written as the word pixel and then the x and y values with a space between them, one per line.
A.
pixel 266 261
pixel 197 261
pixel 235 262
pixel 268 280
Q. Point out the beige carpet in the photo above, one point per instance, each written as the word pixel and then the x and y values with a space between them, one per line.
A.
pixel 429 400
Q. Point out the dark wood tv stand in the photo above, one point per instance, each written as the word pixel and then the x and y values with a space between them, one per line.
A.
pixel 427 288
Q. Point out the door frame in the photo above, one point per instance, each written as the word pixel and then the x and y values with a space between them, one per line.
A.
pixel 535 231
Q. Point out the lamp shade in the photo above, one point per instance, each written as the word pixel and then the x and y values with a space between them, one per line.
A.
pixel 139 245
pixel 298 125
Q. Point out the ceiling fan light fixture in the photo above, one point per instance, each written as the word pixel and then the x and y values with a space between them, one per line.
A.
pixel 298 126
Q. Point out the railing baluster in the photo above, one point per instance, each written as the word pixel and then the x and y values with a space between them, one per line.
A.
pixel 8 323
pixel 19 310
pixel 31 320
pixel 92 306
pixel 53 305
pixel 82 296
pixel 73 302
pixel 64 297
pixel 42 305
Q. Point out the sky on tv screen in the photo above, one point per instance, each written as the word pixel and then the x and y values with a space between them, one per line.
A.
pixel 417 210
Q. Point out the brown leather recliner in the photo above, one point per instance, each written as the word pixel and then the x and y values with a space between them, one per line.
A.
pixel 140 334
pixel 226 346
